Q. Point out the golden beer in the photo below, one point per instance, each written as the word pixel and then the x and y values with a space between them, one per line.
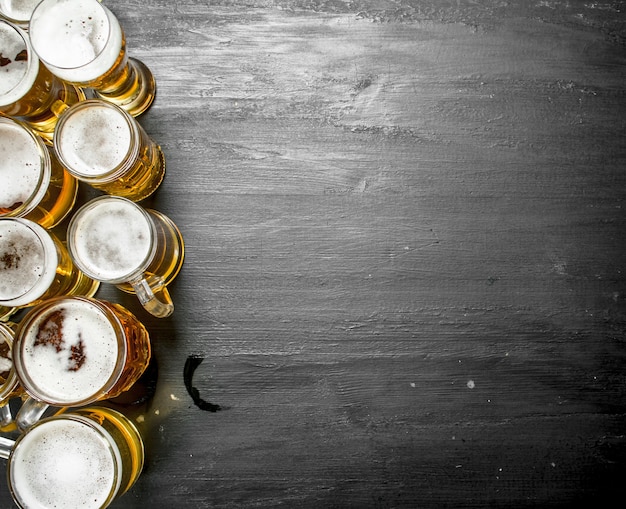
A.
pixel 82 42
pixel 83 459
pixel 104 146
pixel 35 266
pixel 139 250
pixel 32 182
pixel 28 90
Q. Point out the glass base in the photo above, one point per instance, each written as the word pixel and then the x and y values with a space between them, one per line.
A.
pixel 138 97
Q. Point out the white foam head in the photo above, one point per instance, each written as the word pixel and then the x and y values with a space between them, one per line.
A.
pixel 111 239
pixel 68 353
pixel 18 10
pixel 24 169
pixel 28 261
pixel 64 463
pixel 18 65
pixel 79 40
pixel 93 138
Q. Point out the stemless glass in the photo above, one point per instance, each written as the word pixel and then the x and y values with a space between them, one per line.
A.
pixel 33 184
pixel 141 251
pixel 82 42
pixel 104 146
pixel 35 265
pixel 86 458
pixel 28 90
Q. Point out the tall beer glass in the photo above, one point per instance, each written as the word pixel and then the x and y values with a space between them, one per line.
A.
pixel 73 351
pixel 28 90
pixel 18 11
pixel 82 42
pixel 35 266
pixel 139 250
pixel 101 144
pixel 33 184
pixel 9 386
pixel 82 459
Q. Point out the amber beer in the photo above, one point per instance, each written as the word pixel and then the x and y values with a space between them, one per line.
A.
pixel 101 144
pixel 32 182
pixel 35 266
pixel 83 459
pixel 139 250
pixel 28 90
pixel 82 42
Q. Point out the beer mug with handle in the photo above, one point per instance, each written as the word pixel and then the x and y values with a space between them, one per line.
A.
pixel 114 240
pixel 82 42
pixel 28 90
pixel 104 146
pixel 85 458
pixel 74 351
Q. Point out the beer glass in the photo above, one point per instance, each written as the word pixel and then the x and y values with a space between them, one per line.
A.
pixel 18 11
pixel 101 144
pixel 85 458
pixel 9 386
pixel 33 184
pixel 35 265
pixel 28 90
pixel 139 250
pixel 82 42
pixel 73 351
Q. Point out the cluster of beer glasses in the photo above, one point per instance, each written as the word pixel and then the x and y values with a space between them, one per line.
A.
pixel 69 98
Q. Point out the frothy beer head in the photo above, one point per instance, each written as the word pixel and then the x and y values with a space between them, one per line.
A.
pixel 24 174
pixel 79 40
pixel 68 352
pixel 93 139
pixel 64 463
pixel 18 10
pixel 18 68
pixel 28 261
pixel 111 239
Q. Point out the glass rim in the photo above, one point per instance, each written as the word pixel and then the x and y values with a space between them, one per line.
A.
pixel 32 66
pixel 30 320
pixel 73 225
pixel 129 157
pixel 45 171
pixel 40 12
pixel 10 383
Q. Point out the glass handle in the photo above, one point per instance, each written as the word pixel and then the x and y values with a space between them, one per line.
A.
pixel 6 417
pixel 154 296
pixel 29 413
pixel 6 446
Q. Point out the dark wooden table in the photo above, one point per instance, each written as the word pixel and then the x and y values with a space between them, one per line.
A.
pixel 405 269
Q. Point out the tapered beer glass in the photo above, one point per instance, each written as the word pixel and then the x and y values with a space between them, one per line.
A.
pixel 141 251
pixel 104 146
pixel 82 459
pixel 9 386
pixel 35 265
pixel 82 42
pixel 73 351
pixel 18 11
pixel 28 90
pixel 33 184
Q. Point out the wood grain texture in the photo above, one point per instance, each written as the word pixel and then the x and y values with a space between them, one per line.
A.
pixel 404 225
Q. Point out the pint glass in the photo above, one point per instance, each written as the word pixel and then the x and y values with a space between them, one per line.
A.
pixel 28 90
pixel 35 265
pixel 85 458
pixel 18 11
pixel 32 182
pixel 139 250
pixel 101 144
pixel 82 42
pixel 73 351
pixel 9 386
